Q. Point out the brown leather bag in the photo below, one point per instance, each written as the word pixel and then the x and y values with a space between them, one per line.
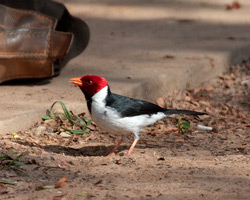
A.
pixel 30 44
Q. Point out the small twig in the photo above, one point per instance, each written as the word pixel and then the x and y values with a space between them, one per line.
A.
pixel 236 127
pixel 236 147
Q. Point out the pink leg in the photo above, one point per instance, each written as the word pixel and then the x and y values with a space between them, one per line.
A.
pixel 132 147
pixel 116 147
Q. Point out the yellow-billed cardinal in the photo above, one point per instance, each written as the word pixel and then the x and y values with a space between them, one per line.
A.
pixel 119 114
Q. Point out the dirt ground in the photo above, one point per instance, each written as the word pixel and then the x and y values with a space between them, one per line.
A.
pixel 200 164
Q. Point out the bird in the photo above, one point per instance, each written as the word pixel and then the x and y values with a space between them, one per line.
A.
pixel 120 115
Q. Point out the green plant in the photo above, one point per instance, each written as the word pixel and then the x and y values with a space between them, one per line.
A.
pixel 7 182
pixel 182 126
pixel 9 161
pixel 79 123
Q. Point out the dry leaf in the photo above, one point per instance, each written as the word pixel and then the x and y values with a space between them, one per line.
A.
pixel 205 103
pixel 61 182
pixel 59 196
pixel 187 98
pixel 195 103
pixel 118 162
pixel 44 187
pixel 236 5
pixel 104 163
pixel 171 129
pixel 160 102
pixel 229 84
pixel 176 92
pixel 209 89
pixel 98 182
pixel 63 165
pixel 179 140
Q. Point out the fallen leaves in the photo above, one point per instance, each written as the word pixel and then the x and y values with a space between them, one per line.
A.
pixel 227 101
pixel 59 184
pixel 223 104
pixel 171 128
pixel 205 103
pixel 179 140
pixel 59 196
pixel 98 182
pixel 160 102
pixel 233 6
pixel 238 127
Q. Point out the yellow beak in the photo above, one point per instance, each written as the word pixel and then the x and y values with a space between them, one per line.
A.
pixel 76 81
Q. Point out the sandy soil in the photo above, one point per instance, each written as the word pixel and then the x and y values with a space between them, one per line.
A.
pixel 164 165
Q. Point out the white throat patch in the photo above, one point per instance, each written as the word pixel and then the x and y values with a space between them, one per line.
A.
pixel 101 95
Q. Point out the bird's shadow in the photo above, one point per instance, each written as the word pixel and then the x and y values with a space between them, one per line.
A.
pixel 98 150
pixel 87 151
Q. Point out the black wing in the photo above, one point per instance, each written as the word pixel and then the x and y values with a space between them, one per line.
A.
pixel 129 107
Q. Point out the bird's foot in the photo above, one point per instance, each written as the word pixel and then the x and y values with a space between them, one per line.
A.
pixel 115 148
pixel 132 147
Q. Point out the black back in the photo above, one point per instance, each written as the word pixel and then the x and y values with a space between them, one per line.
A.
pixel 129 107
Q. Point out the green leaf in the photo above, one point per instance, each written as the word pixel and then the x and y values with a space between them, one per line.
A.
pixel 67 113
pixel 186 125
pixel 45 117
pixel 52 115
pixel 82 193
pixel 18 163
pixel 80 132
pixel 62 116
pixel 16 160
pixel 81 121
pixel 10 153
pixel 75 121
pixel 4 157
pixel 15 168
pixel 7 182
pixel 89 122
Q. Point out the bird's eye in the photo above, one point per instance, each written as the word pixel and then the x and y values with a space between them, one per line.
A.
pixel 89 82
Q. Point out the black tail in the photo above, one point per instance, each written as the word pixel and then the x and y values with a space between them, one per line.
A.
pixel 186 112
